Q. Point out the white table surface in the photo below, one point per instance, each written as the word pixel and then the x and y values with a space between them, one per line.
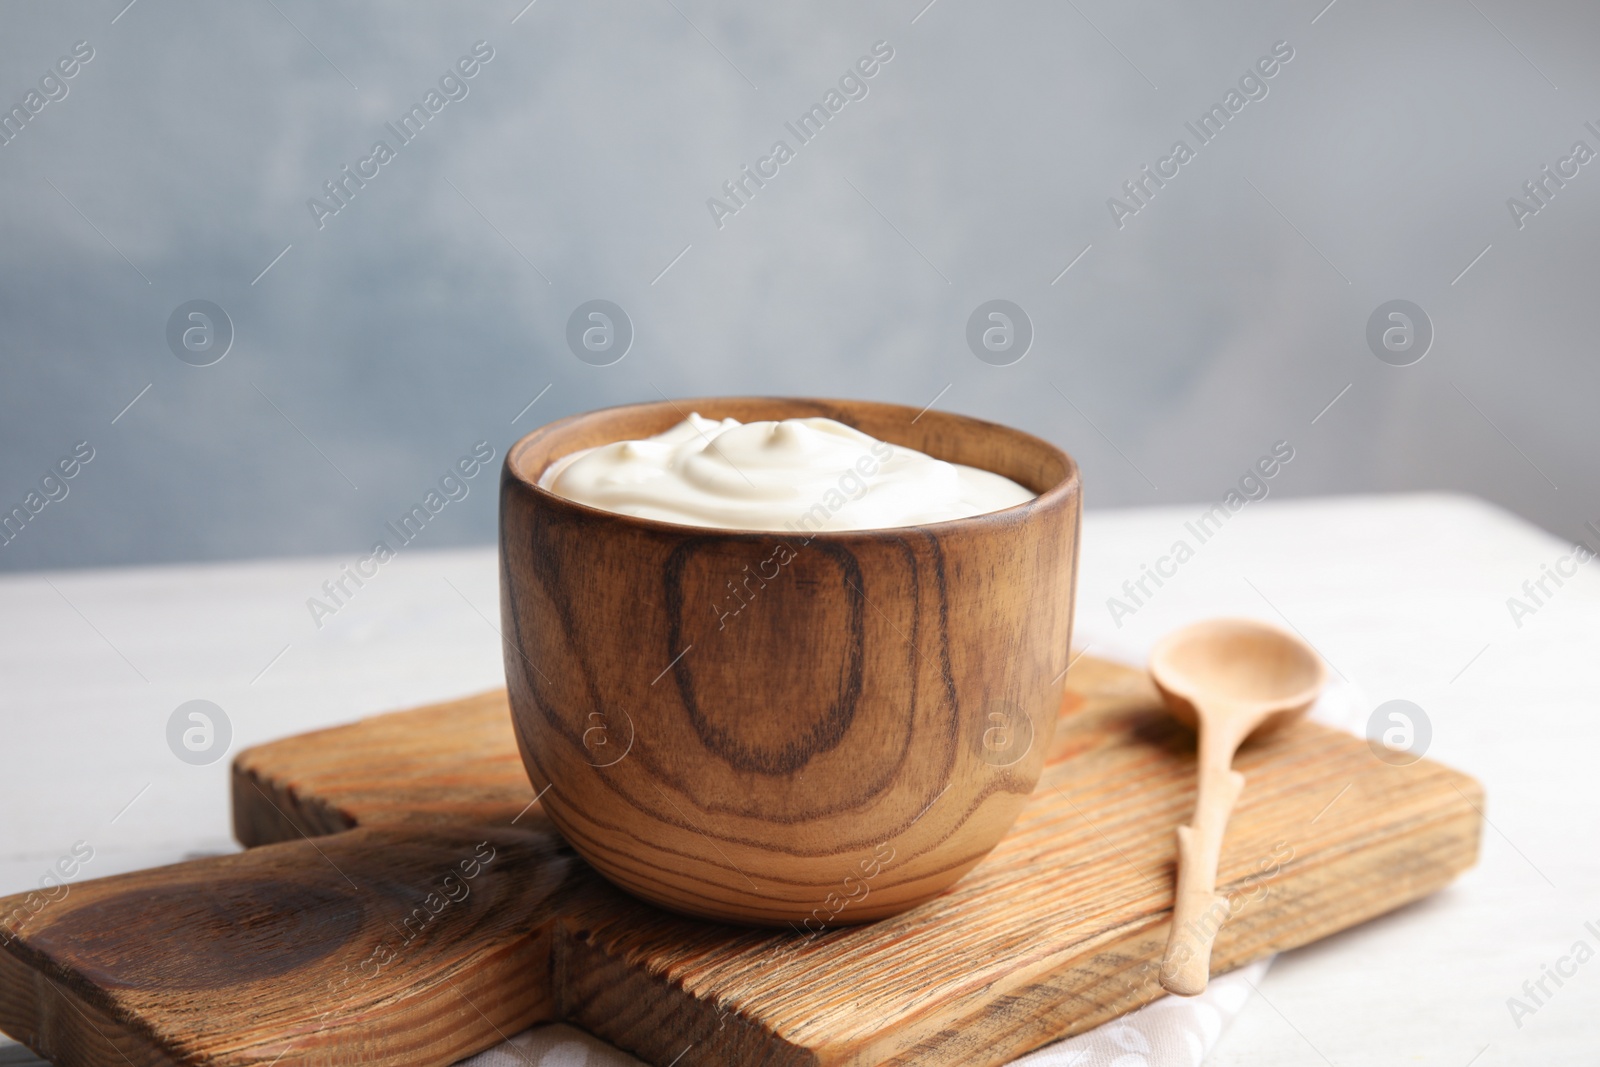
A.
pixel 1405 595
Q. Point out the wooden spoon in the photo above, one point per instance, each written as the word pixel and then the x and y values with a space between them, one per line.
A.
pixel 1229 679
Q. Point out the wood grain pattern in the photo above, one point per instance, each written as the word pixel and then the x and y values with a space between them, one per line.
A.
pixel 372 946
pixel 453 762
pixel 733 723
pixel 314 951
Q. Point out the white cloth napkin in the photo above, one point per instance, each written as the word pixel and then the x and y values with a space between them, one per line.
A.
pixel 1169 1032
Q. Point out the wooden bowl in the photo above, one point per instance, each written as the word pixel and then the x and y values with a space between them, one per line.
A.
pixel 778 729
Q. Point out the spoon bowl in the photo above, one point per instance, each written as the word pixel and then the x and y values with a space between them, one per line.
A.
pixel 1245 662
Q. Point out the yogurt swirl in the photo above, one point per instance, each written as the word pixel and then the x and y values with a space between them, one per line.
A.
pixel 804 475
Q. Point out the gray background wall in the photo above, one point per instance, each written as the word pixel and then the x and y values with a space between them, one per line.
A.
pixel 1223 317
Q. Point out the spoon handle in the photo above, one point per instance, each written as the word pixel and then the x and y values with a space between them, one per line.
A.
pixel 1198 912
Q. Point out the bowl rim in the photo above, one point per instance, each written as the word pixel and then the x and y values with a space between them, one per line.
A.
pixel 1060 494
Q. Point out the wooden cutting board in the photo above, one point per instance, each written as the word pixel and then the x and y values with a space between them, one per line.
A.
pixel 407 903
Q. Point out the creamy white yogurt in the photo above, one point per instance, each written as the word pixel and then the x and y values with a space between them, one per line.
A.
pixel 799 474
